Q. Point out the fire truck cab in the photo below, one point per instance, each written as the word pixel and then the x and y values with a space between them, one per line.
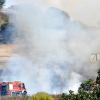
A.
pixel 12 88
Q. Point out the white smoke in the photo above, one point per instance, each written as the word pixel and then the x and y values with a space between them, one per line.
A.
pixel 56 50
pixel 86 11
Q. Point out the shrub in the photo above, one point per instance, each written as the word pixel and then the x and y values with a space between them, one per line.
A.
pixel 41 96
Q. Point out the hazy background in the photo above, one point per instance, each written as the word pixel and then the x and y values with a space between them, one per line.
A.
pixel 57 46
pixel 86 11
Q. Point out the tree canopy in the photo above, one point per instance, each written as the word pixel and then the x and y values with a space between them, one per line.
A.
pixel 2 2
pixel 88 90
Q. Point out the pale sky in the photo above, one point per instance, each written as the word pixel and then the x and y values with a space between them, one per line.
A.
pixel 8 3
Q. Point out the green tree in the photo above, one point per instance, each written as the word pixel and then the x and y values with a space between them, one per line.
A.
pixel 98 77
pixel 2 2
pixel 87 85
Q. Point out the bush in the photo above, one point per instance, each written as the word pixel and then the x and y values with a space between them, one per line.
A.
pixel 41 96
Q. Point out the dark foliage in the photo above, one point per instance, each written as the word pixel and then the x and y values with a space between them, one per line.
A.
pixel 8 32
pixel 2 2
pixel 88 90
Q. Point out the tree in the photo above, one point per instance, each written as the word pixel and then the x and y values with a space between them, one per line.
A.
pixel 98 77
pixel 2 2
pixel 87 85
pixel 86 91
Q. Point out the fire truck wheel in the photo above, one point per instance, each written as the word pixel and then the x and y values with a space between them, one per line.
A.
pixel 24 93
pixel 13 93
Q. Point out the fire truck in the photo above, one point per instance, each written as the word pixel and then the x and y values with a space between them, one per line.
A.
pixel 16 88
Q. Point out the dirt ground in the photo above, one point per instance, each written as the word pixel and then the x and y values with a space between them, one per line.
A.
pixel 6 50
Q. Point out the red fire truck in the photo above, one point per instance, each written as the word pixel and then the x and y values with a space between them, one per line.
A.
pixel 12 88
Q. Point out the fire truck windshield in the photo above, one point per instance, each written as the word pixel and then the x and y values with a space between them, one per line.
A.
pixel 23 86
pixel 19 85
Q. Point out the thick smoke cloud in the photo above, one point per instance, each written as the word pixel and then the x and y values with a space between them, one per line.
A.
pixel 57 51
pixel 86 11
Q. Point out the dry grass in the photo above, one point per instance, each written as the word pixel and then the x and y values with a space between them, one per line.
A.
pixel 14 98
pixel 56 97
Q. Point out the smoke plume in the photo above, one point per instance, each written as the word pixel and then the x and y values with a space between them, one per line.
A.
pixel 86 11
pixel 56 50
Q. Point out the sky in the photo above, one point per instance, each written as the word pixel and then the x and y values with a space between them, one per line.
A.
pixel 8 3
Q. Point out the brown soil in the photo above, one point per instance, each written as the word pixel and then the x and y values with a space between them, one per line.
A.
pixel 6 50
